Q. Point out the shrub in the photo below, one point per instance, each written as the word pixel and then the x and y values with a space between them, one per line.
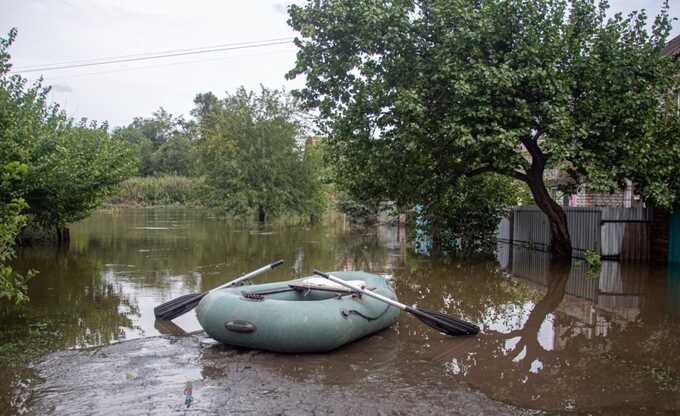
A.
pixel 161 191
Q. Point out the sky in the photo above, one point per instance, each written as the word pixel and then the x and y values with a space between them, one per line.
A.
pixel 55 31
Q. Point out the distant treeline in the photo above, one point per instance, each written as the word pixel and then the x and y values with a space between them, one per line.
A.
pixel 247 154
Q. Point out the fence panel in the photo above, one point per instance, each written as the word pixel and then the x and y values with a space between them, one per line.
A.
pixel 530 226
pixel 616 233
pixel 626 233
pixel 584 228
pixel 504 229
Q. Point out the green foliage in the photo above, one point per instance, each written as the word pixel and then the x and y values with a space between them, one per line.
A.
pixel 414 95
pixel 314 184
pixel 365 211
pixel 594 261
pixel 142 149
pixel 655 168
pixel 174 156
pixel 462 218
pixel 72 173
pixel 160 127
pixel 161 191
pixel 161 144
pixel 70 166
pixel 249 152
pixel 13 286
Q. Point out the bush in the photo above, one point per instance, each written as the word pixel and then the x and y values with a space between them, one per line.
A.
pixel 69 166
pixel 462 217
pixel 161 191
pixel 13 286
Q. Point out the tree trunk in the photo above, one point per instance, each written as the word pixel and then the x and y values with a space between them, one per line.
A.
pixel 560 242
pixel 63 236
pixel 261 214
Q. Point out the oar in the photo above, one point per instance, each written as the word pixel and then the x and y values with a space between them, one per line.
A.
pixel 439 321
pixel 183 304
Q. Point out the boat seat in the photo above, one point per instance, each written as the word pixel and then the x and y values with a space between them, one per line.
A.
pixel 319 283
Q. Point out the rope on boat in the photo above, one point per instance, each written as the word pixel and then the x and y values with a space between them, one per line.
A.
pixel 347 312
pixel 259 296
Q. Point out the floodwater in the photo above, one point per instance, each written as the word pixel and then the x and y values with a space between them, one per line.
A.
pixel 554 339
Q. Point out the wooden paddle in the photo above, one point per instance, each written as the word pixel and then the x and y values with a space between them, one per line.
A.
pixel 439 321
pixel 183 304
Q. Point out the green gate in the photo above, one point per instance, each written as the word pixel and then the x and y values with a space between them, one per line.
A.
pixel 674 238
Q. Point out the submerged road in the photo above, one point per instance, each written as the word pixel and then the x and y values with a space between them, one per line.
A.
pixel 147 376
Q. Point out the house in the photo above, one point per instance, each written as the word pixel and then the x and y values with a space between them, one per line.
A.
pixel 673 47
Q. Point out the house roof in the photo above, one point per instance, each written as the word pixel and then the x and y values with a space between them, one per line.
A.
pixel 673 47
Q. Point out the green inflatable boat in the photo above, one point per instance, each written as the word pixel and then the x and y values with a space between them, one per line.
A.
pixel 303 315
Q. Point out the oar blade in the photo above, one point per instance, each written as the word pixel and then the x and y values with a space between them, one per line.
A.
pixel 183 304
pixel 179 306
pixel 445 323
pixel 172 303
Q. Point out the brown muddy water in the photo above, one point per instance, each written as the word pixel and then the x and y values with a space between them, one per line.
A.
pixel 554 340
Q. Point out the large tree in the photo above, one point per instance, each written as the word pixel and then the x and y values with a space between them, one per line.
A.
pixel 249 148
pixel 439 89
pixel 71 170
pixel 69 166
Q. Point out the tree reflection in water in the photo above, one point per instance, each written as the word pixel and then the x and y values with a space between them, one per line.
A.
pixel 587 344
pixel 524 343
pixel 552 337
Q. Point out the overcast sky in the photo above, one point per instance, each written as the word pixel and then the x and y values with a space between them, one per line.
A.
pixel 52 31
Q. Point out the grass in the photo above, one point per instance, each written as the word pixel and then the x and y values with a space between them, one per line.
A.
pixel 24 338
pixel 153 191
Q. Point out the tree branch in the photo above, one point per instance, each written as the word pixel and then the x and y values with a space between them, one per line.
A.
pixel 483 169
pixel 538 158
pixel 491 169
pixel 519 175
pixel 537 135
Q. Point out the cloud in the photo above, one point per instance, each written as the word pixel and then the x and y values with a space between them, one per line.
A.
pixel 281 8
pixel 61 88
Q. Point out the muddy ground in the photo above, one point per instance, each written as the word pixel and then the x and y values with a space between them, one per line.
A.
pixel 147 377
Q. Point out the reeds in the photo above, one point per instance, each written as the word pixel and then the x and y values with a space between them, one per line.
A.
pixel 161 191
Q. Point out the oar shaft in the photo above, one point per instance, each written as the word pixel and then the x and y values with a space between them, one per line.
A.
pixel 251 274
pixel 440 322
pixel 362 291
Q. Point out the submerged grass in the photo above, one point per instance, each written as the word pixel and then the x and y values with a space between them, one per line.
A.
pixel 26 337
pixel 23 339
pixel 154 191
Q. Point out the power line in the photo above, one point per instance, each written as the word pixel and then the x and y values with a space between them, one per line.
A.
pixel 104 58
pixel 159 55
pixel 136 68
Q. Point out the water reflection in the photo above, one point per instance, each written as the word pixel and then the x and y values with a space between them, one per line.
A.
pixel 123 263
pixel 590 342
pixel 78 292
pixel 554 336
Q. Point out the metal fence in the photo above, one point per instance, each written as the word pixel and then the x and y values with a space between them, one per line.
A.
pixel 616 233
pixel 535 267
pixel 625 233
pixel 616 287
